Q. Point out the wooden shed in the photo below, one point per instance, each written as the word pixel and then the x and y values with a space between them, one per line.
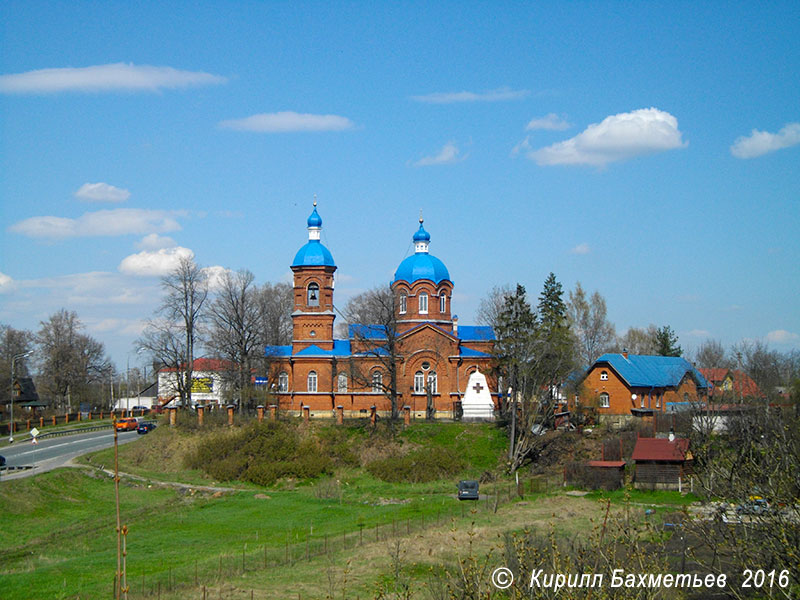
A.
pixel 662 463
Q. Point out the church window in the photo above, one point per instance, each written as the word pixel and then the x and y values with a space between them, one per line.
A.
pixel 312 381
pixel 423 304
pixel 377 382
pixel 313 294
pixel 604 400
pixel 603 375
pixel 283 382
pixel 419 383
pixel 433 382
pixel 403 304
pixel 443 303
pixel 342 383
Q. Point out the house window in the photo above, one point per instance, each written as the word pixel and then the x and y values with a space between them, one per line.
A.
pixel 658 401
pixel 423 304
pixel 377 382
pixel 432 382
pixel 283 382
pixel 419 383
pixel 603 375
pixel 604 400
pixel 685 396
pixel 342 383
pixel 313 294
pixel 312 381
pixel 443 303
pixel 403 304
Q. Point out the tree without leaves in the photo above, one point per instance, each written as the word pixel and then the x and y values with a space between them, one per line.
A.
pixel 233 333
pixel 592 330
pixel 711 355
pixel 13 342
pixel 70 361
pixel 492 305
pixel 275 304
pixel 638 341
pixel 378 340
pixel 171 336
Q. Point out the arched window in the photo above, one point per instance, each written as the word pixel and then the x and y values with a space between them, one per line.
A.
pixel 403 304
pixel 423 303
pixel 283 382
pixel 442 302
pixel 433 384
pixel 604 400
pixel 342 383
pixel 603 375
pixel 313 294
pixel 312 381
pixel 419 383
pixel 377 382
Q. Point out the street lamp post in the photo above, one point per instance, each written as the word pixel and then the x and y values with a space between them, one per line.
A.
pixel 13 377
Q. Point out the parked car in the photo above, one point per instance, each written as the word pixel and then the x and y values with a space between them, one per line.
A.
pixel 145 427
pixel 2 461
pixel 468 489
pixel 754 506
pixel 127 424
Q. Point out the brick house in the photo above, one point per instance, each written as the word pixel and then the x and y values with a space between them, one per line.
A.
pixel 640 385
pixel 729 385
pixel 433 353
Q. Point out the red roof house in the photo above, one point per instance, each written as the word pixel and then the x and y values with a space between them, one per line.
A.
pixel 662 463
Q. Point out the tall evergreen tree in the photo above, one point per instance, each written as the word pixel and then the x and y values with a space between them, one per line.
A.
pixel 555 338
pixel 667 342
pixel 515 330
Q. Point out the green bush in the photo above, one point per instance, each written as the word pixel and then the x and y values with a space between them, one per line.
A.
pixel 260 453
pixel 418 466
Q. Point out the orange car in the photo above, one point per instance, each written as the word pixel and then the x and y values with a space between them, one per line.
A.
pixel 127 424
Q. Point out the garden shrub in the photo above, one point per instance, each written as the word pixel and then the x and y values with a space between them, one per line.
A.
pixel 418 466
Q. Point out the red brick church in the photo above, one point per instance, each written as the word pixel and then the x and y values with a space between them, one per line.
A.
pixel 432 354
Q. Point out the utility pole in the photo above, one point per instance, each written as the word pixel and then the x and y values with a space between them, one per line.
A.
pixel 13 378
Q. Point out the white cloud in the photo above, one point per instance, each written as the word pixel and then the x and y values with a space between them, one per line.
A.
pixel 781 336
pixel 551 122
pixel 102 223
pixel 698 333
pixel 104 78
pixel 763 142
pixel 156 263
pixel 449 154
pixel 6 284
pixel 215 275
pixel 498 95
pixel 617 137
pixel 581 249
pixel 102 192
pixel 288 121
pixel 154 241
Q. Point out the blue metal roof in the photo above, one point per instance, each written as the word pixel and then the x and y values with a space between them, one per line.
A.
pixel 421 235
pixel 278 351
pixel 314 220
pixel 476 333
pixel 640 370
pixel 340 348
pixel 470 353
pixel 313 254
pixel 367 332
pixel 421 266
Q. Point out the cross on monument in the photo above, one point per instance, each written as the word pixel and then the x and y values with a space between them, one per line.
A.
pixel 477 387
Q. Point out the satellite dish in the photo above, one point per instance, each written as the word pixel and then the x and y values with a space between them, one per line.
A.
pixel 633 396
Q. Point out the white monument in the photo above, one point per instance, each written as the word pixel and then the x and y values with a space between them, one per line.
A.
pixel 477 402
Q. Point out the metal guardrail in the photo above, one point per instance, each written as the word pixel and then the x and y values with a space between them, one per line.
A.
pixel 72 431
pixel 6 468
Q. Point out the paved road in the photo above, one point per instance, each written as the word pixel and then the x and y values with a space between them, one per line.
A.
pixel 51 453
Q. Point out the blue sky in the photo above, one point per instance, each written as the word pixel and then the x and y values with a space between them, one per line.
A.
pixel 649 150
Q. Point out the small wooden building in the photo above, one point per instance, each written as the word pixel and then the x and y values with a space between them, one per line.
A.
pixel 662 463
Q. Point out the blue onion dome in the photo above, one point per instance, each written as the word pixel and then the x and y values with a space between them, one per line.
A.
pixel 314 253
pixel 421 235
pixel 422 264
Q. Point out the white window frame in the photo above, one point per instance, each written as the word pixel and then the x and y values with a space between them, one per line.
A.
pixel 311 382
pixel 423 303
pixel 605 400
pixel 403 304
pixel 283 382
pixel 443 303
pixel 341 383
pixel 603 375
pixel 419 382
pixel 377 382
pixel 433 382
